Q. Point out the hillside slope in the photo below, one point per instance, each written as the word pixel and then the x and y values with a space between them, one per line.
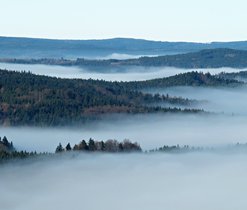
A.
pixel 28 99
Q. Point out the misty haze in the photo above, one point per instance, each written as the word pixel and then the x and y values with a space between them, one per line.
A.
pixel 145 181
pixel 191 181
pixel 123 105
pixel 127 74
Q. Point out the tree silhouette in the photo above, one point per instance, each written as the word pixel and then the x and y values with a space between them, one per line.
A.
pixel 68 147
pixel 59 148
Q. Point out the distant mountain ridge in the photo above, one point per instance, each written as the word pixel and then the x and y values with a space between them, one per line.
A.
pixel 209 58
pixel 15 47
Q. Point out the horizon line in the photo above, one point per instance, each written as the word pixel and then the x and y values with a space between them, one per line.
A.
pixel 112 38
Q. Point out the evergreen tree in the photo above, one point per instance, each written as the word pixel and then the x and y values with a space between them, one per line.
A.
pixel 83 146
pixel 68 147
pixel 59 148
pixel 5 141
pixel 91 145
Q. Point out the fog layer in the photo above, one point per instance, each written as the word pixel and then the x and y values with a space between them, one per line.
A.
pixel 127 74
pixel 145 182
pixel 118 56
pixel 213 99
pixel 150 131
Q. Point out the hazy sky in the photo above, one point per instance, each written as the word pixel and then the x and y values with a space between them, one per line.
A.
pixel 171 20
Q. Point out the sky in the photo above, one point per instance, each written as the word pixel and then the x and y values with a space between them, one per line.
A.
pixel 164 20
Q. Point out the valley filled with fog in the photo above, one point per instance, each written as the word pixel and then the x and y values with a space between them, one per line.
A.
pixel 124 74
pixel 183 181
pixel 150 131
pixel 224 124
pixel 123 105
pixel 197 180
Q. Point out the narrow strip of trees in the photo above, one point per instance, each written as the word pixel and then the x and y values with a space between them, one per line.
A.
pixel 8 151
pixel 111 146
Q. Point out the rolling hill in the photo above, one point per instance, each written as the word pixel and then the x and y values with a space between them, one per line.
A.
pixel 16 47
pixel 213 58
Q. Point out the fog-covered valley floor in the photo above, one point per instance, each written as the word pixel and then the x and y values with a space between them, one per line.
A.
pixel 187 181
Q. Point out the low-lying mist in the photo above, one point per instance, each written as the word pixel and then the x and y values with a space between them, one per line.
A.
pixel 118 56
pixel 186 181
pixel 198 180
pixel 124 74
pixel 227 100
pixel 150 131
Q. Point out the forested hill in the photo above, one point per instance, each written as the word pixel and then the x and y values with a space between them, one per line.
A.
pixel 213 58
pixel 28 99
pixel 186 79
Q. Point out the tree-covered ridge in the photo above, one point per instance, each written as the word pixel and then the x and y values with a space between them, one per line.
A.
pixel 215 58
pixel 186 79
pixel 209 58
pixel 28 99
pixel 240 76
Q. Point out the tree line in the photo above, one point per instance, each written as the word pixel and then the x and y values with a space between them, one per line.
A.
pixel 111 146
pixel 8 151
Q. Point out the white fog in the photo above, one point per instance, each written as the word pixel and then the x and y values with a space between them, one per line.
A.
pixel 221 100
pixel 118 56
pixel 129 74
pixel 150 131
pixel 94 136
pixel 187 181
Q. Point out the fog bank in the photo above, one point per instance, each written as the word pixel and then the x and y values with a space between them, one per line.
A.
pixel 227 100
pixel 189 182
pixel 126 74
pixel 118 56
pixel 149 130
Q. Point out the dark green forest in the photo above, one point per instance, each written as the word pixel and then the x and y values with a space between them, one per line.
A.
pixel 28 99
pixel 186 79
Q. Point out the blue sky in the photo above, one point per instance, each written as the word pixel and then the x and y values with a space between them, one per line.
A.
pixel 173 20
